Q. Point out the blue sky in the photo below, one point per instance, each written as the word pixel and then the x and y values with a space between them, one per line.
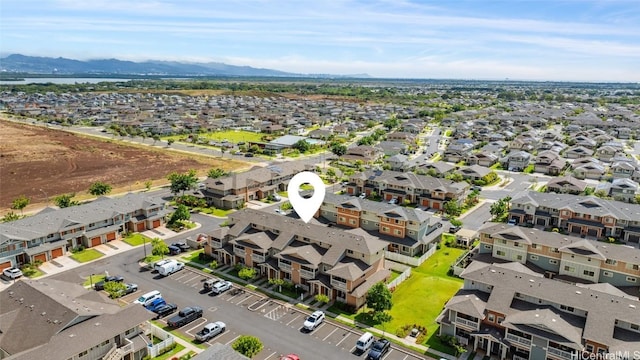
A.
pixel 577 40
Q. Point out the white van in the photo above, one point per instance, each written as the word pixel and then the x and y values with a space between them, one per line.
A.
pixel 170 267
pixel 364 342
pixel 147 298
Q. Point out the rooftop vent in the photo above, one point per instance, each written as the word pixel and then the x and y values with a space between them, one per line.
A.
pixel 578 292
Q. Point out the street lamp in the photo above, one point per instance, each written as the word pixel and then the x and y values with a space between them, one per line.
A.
pixel 144 245
pixel 91 280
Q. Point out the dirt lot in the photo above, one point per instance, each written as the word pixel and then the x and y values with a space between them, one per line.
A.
pixel 34 158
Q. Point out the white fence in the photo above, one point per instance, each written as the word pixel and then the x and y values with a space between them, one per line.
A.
pixel 167 340
pixel 404 276
pixel 410 260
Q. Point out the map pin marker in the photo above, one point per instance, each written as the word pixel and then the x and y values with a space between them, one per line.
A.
pixel 305 208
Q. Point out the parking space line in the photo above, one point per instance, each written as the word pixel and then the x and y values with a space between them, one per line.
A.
pixel 273 353
pixel 243 300
pixel 315 331
pixel 177 278
pixel 197 326
pixel 232 340
pixel 331 333
pixel 387 355
pixel 405 357
pixel 343 339
pixel 294 319
pixel 195 277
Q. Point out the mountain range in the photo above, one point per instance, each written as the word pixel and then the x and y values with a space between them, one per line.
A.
pixel 61 66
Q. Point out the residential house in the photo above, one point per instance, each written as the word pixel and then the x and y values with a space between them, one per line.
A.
pixel 402 136
pixel 585 141
pixel 566 185
pixel 505 310
pixel 437 169
pixel 234 190
pixel 272 128
pixel 623 190
pixel 366 154
pixel 474 172
pixel 408 231
pixel 390 148
pixel 424 190
pixel 398 162
pixel 624 169
pixel 495 147
pixel 578 151
pixel 516 160
pixel 549 162
pixel 570 258
pixel 48 318
pixel 51 233
pixel 342 264
pixel 588 216
pixel 591 170
pixel 482 158
pixel 456 152
pixel 606 153
pixel 623 133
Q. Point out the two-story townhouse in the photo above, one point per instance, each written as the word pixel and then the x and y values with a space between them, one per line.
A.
pixel 483 158
pixel 591 170
pixel 56 319
pixel 623 169
pixel 606 152
pixel 512 313
pixel 233 190
pixel 407 231
pixel 474 172
pixel 398 162
pixel 578 151
pixel 587 216
pixel 623 190
pixel 436 169
pixel 342 264
pixel 549 162
pixel 366 154
pixel 424 190
pixel 516 160
pixel 572 258
pixel 52 232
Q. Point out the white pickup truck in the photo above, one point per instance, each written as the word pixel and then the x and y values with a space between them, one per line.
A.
pixel 170 267
pixel 210 330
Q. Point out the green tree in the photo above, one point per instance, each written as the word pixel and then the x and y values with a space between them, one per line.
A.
pixel 247 345
pixel 182 182
pixel 331 174
pixel 65 200
pixel 114 289
pixel 147 184
pixel 99 188
pixel 452 208
pixel 215 173
pixel 10 216
pixel 379 298
pixel 302 145
pixel 286 206
pixel 20 203
pixel 170 141
pixel 455 222
pixel 159 247
pixel 247 273
pixel 322 298
pixel 382 317
pixel 181 214
pixel 155 138
pixel 338 149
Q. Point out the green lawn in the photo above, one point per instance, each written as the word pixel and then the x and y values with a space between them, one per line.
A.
pixel 178 334
pixel 136 239
pixel 169 354
pixel 87 255
pixel 216 212
pixel 229 135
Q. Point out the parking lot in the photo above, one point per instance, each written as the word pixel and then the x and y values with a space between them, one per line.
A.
pixel 341 337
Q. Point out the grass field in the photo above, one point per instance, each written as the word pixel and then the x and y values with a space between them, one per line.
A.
pixel 87 255
pixel 229 135
pixel 136 239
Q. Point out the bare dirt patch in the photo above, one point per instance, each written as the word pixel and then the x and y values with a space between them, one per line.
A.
pixel 58 162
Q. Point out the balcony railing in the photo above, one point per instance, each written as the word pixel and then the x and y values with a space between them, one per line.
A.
pixel 284 267
pixel 239 252
pixel 559 353
pixel 465 322
pixel 306 274
pixel 216 244
pixel 339 285
pixel 518 339
pixel 258 258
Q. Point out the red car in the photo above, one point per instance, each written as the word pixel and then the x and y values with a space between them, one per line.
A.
pixel 290 357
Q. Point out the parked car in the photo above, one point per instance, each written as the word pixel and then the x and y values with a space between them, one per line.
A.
pixel 12 273
pixel 281 212
pixel 155 304
pixel 182 246
pixel 100 284
pixel 158 264
pixel 248 155
pixel 454 229
pixel 379 349
pixel 149 298
pixel 129 288
pixel 208 284
pixel 314 320
pixel 165 309
pixel 362 196
pixel 221 286
pixel 170 267
pixel 174 250
pixel 512 222
pixel 185 316
pixel 290 357
pixel 210 330
pixel 394 200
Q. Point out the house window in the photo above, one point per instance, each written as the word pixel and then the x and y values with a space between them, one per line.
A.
pixel 631 279
pixel 634 327
pixel 341 218
pixel 488 247
pixel 83 353
pixel 607 273
pixel 589 348
pixel 533 257
pixel 397 232
pixel 588 272
pixel 569 268
pixel 492 318
pixel 519 257
pixel 129 331
pixel 385 229
pixel 567 308
pixel 365 222
pixel 352 221
pixel 555 250
pixel 553 261
pixel 500 253
pixel 500 319
pixel 534 246
pixel 349 251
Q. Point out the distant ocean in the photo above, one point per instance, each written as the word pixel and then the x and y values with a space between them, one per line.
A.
pixel 61 81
